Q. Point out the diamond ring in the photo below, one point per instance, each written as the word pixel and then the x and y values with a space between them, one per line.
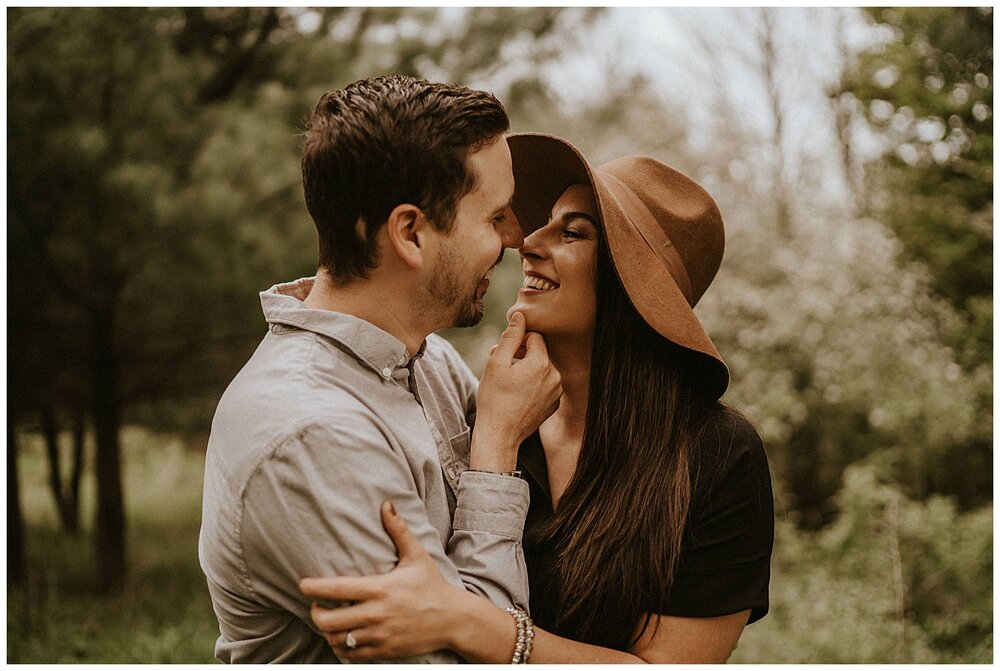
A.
pixel 351 640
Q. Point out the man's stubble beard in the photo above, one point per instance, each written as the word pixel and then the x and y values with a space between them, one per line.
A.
pixel 449 291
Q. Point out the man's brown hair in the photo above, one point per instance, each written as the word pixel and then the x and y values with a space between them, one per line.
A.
pixel 382 142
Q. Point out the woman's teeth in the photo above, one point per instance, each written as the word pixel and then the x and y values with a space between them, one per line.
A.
pixel 531 282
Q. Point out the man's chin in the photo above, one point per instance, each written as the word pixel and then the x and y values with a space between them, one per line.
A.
pixel 470 316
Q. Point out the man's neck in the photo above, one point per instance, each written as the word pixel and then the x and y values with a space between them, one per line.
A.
pixel 372 300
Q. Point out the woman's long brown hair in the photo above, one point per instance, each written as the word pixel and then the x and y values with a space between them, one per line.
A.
pixel 618 526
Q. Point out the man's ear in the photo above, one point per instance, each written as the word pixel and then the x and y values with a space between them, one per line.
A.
pixel 408 231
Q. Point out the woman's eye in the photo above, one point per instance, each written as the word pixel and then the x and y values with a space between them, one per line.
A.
pixel 572 233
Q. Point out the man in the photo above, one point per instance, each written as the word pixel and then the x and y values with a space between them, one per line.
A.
pixel 350 400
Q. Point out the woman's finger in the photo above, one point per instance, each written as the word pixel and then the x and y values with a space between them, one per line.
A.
pixel 407 544
pixel 367 646
pixel 338 639
pixel 344 619
pixel 341 588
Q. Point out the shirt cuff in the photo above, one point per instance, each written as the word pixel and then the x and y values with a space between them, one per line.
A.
pixel 491 503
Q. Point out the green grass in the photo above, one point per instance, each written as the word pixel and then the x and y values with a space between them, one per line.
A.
pixel 164 614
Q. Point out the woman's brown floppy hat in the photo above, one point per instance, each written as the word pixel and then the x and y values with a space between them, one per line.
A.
pixel 663 230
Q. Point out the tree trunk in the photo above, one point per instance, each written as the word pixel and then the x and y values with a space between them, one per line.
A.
pixel 76 476
pixel 110 536
pixel 67 496
pixel 15 520
pixel 50 429
pixel 780 177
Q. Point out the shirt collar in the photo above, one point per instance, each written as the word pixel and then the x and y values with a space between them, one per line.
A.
pixel 380 351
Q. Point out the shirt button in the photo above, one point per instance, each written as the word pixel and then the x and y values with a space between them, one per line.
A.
pixel 386 372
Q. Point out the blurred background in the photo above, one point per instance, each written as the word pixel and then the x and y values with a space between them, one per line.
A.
pixel 153 189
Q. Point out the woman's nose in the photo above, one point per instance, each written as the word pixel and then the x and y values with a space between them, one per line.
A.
pixel 534 245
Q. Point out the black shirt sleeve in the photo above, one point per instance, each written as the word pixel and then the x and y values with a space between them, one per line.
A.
pixel 725 562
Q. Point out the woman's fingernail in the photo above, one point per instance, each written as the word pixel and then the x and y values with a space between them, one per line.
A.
pixel 515 319
pixel 392 509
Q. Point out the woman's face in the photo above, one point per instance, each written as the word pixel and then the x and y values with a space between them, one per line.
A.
pixel 560 263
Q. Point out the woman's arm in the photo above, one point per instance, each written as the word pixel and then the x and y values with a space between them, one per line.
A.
pixel 412 610
pixel 691 640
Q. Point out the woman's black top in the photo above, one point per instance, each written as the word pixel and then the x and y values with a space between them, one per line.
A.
pixel 725 562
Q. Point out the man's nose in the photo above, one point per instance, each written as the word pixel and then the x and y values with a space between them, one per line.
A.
pixel 510 233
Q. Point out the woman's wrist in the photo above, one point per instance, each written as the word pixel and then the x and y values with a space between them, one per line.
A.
pixel 493 455
pixel 483 633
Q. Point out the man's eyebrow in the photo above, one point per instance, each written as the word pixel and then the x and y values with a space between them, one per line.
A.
pixel 503 207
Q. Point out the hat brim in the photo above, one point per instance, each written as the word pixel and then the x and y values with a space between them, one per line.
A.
pixel 544 166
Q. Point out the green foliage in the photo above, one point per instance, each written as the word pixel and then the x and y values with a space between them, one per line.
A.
pixel 892 580
pixel 928 92
pixel 836 348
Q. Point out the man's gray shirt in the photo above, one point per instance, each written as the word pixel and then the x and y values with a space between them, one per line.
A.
pixel 329 418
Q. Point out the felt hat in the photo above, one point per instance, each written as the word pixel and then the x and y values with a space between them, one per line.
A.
pixel 664 233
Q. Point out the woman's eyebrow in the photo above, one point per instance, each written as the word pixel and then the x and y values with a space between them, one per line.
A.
pixel 573 214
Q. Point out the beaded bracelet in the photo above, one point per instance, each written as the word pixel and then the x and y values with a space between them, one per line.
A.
pixel 525 636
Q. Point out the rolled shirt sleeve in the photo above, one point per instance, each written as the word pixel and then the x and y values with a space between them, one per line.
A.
pixel 485 546
pixel 490 513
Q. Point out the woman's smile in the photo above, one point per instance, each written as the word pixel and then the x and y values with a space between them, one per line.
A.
pixel 535 283
pixel 559 263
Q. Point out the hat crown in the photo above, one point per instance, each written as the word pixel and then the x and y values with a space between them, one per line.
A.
pixel 685 212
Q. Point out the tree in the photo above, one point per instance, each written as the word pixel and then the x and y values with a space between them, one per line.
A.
pixel 15 518
pixel 927 92
pixel 87 167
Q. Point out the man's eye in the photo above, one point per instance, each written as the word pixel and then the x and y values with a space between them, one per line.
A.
pixel 500 218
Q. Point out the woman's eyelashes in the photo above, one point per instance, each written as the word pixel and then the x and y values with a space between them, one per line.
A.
pixel 584 232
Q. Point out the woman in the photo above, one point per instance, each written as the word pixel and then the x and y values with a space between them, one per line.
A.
pixel 651 522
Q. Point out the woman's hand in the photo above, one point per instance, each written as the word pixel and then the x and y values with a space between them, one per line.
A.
pixel 520 389
pixel 410 610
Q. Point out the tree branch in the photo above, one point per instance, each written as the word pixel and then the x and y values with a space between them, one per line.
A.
pixel 233 69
